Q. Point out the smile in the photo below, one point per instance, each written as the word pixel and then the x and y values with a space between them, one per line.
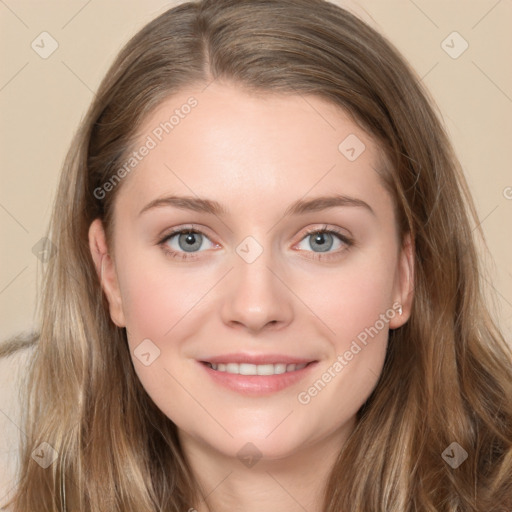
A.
pixel 249 378
pixel 256 369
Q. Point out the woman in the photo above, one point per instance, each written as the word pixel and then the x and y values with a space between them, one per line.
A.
pixel 198 350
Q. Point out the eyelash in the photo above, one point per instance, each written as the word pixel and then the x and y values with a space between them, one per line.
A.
pixel 349 242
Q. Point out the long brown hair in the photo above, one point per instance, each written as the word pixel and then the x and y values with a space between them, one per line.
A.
pixel 447 375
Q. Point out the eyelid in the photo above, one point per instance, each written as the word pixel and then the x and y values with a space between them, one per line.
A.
pixel 348 240
pixel 181 255
pixel 193 228
pixel 326 229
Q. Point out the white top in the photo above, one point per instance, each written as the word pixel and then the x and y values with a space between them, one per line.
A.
pixel 11 370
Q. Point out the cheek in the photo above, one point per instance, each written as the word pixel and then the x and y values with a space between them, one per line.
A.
pixel 156 298
pixel 354 309
pixel 352 298
pixel 157 294
pixel 159 307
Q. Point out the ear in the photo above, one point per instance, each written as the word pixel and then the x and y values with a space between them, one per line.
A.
pixel 106 270
pixel 404 284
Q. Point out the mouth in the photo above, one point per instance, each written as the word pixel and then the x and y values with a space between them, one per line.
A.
pixel 256 369
pixel 256 375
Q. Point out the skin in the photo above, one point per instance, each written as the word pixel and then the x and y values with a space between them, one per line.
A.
pixel 255 155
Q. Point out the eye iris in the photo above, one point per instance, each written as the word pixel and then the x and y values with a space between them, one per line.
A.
pixel 320 238
pixel 190 241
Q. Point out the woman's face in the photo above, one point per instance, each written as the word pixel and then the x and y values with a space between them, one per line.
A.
pixel 253 175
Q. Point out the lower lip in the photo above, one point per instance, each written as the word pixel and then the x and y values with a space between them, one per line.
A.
pixel 257 384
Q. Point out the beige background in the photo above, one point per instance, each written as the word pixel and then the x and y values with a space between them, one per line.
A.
pixel 42 101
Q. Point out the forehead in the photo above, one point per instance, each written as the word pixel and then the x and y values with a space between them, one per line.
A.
pixel 237 147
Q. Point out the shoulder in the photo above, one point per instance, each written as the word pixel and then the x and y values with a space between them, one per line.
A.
pixel 13 368
pixel 15 357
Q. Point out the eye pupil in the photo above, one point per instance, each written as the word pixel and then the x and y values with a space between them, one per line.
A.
pixel 322 239
pixel 190 241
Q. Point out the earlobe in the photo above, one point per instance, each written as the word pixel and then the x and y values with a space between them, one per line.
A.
pixel 405 284
pixel 105 268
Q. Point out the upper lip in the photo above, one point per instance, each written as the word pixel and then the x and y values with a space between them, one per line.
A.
pixel 256 359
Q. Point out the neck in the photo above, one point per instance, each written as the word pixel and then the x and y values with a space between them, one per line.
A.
pixel 294 483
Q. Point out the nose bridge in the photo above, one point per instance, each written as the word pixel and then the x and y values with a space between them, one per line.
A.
pixel 257 297
pixel 252 269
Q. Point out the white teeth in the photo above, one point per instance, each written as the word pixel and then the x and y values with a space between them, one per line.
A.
pixel 280 368
pixel 265 369
pixel 256 369
pixel 243 368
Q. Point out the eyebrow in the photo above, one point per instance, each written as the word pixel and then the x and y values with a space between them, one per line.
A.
pixel 299 207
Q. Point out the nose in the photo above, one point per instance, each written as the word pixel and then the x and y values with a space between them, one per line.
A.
pixel 257 296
